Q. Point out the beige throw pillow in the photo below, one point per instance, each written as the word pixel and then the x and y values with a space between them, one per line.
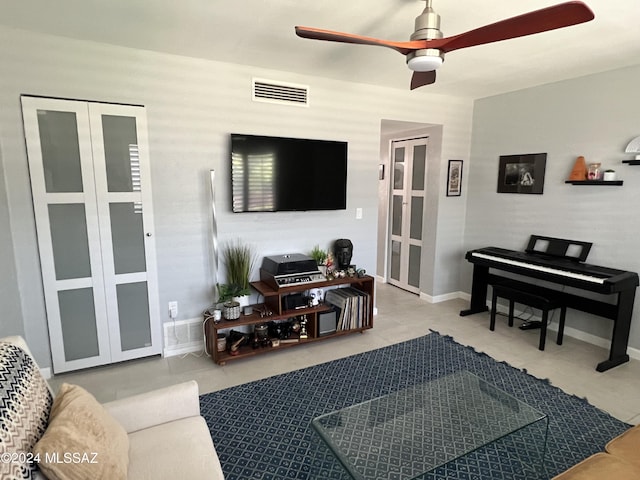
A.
pixel 82 440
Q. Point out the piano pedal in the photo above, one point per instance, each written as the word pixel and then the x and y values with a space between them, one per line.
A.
pixel 530 325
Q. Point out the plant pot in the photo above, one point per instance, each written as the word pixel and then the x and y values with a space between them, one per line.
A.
pixel 231 310
pixel 609 176
pixel 243 301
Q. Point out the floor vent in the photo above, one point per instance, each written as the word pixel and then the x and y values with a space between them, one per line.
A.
pixel 183 336
pixel 271 91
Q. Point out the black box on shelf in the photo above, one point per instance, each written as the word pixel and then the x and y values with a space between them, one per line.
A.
pixel 327 322
pixel 294 301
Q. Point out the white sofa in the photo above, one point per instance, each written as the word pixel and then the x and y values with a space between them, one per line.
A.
pixel 166 436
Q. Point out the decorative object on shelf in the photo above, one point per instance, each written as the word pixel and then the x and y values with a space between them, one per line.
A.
pixel 634 147
pixel 609 175
pixel 343 251
pixel 316 297
pixel 593 172
pixel 231 310
pixel 239 259
pixel 579 170
pixel 303 327
pixel 320 257
pixel 235 340
pixel 522 173
pixel 262 332
pixel 454 178
pixel 222 342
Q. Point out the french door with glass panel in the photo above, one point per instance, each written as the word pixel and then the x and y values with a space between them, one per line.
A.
pixel 409 164
pixel 90 181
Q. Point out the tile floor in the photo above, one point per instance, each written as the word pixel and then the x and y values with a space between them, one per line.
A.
pixel 401 316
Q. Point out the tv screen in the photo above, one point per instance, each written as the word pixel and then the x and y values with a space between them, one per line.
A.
pixel 274 174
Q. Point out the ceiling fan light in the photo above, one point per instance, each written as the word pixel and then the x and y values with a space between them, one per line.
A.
pixel 424 63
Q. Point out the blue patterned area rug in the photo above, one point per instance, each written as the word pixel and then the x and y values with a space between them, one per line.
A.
pixel 262 430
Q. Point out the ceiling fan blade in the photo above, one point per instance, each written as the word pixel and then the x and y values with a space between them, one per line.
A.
pixel 420 79
pixel 331 36
pixel 550 18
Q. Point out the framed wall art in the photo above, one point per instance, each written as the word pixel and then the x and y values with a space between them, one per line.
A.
pixel 454 178
pixel 522 173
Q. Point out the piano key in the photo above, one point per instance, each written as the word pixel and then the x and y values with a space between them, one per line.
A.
pixel 540 268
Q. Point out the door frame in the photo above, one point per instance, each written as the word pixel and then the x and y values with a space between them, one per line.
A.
pixel 389 205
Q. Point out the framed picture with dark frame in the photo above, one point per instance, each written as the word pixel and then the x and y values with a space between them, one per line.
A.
pixel 454 178
pixel 522 173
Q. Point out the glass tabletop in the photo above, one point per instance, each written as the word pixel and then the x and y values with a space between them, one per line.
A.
pixel 411 432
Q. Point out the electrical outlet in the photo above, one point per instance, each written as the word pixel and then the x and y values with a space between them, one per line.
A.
pixel 173 309
pixel 358 213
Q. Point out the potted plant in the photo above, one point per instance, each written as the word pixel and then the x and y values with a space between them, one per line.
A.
pixel 320 257
pixel 609 175
pixel 239 259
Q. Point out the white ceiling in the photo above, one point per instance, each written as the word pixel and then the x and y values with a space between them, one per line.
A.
pixel 261 33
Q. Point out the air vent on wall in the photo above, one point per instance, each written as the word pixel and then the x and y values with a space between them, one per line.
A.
pixel 279 92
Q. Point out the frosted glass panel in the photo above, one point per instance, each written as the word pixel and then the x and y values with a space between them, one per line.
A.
pixel 414 265
pixel 419 163
pixel 120 147
pixel 69 240
pixel 60 151
pixel 78 320
pixel 133 312
pixel 396 219
pixel 395 259
pixel 128 238
pixel 398 169
pixel 417 204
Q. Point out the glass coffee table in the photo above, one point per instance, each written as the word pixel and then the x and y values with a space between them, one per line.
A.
pixel 412 432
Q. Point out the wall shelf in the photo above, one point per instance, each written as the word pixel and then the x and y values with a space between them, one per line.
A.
pixel 595 182
pixel 632 162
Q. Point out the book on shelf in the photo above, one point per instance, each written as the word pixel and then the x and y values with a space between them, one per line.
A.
pixel 352 306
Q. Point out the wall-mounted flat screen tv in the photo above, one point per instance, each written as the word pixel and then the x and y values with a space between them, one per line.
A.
pixel 274 174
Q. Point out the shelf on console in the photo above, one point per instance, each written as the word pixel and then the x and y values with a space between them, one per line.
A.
pixel 595 182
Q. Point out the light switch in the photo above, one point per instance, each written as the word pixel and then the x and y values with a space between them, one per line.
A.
pixel 358 213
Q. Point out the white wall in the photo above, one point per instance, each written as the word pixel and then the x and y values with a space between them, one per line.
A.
pixel 594 116
pixel 192 106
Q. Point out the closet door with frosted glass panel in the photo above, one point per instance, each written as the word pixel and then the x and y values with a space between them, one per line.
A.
pixel 97 311
pixel 408 193
pixel 124 212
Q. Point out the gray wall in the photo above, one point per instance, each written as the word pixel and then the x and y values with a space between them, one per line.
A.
pixel 11 323
pixel 192 106
pixel 594 116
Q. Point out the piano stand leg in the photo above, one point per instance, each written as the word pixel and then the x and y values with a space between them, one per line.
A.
pixel 607 364
pixel 471 311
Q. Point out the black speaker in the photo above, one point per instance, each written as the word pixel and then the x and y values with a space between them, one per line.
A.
pixel 293 301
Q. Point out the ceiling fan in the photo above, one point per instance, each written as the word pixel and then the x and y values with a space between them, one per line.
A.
pixel 427 46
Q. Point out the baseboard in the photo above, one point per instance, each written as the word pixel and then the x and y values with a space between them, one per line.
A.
pixel 445 297
pixel 183 336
